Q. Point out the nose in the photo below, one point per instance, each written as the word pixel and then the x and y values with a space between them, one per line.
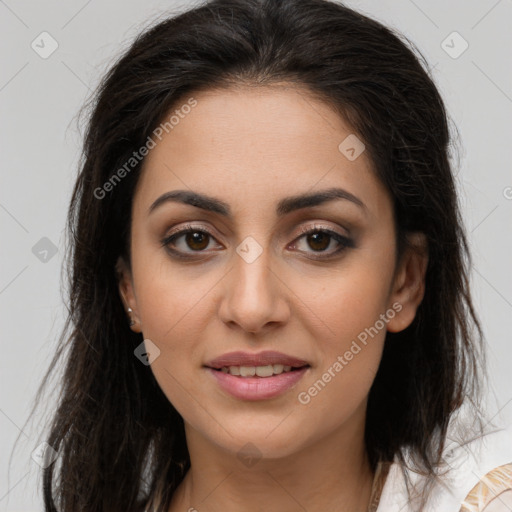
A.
pixel 254 297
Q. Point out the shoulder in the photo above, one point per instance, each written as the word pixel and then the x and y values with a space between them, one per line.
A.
pixel 478 479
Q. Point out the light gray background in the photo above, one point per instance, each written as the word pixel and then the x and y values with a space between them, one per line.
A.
pixel 39 99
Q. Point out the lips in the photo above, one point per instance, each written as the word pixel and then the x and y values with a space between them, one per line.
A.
pixel 264 358
pixel 261 376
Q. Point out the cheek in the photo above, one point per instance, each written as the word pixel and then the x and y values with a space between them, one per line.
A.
pixel 348 359
pixel 171 318
pixel 345 303
pixel 171 300
pixel 174 310
pixel 347 362
pixel 352 307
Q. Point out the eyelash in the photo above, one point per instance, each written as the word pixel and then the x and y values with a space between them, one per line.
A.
pixel 344 242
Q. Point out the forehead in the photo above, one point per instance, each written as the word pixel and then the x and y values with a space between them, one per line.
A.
pixel 253 145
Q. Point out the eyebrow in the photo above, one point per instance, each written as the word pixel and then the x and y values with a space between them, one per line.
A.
pixel 285 206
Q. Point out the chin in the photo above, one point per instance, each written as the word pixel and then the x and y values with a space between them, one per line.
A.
pixel 259 440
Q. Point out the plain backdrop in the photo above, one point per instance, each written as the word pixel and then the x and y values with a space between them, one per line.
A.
pixel 40 98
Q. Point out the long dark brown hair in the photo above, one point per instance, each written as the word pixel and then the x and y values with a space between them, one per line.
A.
pixel 121 443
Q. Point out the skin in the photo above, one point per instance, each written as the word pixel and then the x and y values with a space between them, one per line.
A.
pixel 251 147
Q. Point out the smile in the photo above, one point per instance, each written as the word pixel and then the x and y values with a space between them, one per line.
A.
pixel 251 386
pixel 260 371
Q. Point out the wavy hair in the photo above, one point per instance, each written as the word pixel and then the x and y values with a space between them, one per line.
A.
pixel 121 443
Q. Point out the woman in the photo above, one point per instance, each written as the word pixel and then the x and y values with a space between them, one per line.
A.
pixel 269 297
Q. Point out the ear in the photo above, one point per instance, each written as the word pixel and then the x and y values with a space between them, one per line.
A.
pixel 408 287
pixel 125 282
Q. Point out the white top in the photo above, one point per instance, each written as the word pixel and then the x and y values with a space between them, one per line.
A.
pixel 479 479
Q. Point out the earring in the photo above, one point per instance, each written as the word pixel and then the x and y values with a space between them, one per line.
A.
pixel 132 322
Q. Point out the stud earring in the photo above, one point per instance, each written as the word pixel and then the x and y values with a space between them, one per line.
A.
pixel 132 322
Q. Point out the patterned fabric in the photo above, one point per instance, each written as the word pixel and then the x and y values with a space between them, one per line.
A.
pixel 493 493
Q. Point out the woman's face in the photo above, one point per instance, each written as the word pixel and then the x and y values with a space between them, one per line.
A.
pixel 254 282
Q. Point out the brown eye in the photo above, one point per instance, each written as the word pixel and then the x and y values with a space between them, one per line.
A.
pixel 187 241
pixel 190 240
pixel 319 241
pixel 197 240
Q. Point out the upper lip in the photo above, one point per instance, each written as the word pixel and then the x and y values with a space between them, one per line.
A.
pixel 264 358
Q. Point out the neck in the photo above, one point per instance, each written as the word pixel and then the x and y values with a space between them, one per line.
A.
pixel 331 474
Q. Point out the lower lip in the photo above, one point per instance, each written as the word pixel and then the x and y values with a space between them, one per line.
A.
pixel 257 388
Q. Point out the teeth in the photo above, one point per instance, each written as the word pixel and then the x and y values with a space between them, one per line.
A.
pixel 265 371
pixel 278 368
pixel 260 371
pixel 247 371
pixel 234 370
